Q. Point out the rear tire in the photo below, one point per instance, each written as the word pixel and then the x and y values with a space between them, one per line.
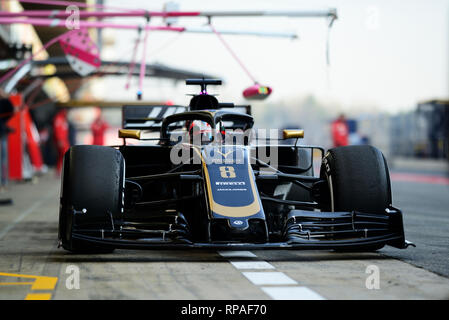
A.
pixel 358 180
pixel 92 179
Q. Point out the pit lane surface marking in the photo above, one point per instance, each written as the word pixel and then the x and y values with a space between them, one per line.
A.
pixel 419 178
pixel 276 285
pixel 30 248
pixel 26 213
pixel 269 278
pixel 39 283
pixel 252 265
pixel 38 296
pixel 291 293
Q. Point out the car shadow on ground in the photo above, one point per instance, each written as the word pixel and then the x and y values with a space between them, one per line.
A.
pixel 208 256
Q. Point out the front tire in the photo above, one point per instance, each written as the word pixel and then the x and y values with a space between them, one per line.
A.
pixel 92 179
pixel 358 180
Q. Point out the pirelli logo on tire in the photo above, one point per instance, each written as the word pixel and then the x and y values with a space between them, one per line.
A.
pixel 326 164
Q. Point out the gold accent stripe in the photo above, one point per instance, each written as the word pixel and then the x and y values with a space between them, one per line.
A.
pixel 288 134
pixel 129 133
pixel 234 212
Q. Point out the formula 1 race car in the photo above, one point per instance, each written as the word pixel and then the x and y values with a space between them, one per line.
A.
pixel 195 178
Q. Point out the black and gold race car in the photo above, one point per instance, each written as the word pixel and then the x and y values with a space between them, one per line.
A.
pixel 202 177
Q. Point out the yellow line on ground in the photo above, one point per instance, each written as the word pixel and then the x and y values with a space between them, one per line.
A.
pixel 15 283
pixel 38 296
pixel 15 275
pixel 40 282
pixel 44 283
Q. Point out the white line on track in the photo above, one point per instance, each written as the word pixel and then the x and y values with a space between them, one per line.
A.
pixel 291 293
pixel 251 265
pixel 237 254
pixel 269 278
pixel 24 214
pixel 277 285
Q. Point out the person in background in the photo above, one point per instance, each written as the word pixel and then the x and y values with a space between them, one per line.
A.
pixel 6 112
pixel 72 132
pixel 61 136
pixel 340 131
pixel 353 136
pixel 365 140
pixel 99 127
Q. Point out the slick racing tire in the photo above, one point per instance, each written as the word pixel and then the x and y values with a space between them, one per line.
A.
pixel 358 180
pixel 92 179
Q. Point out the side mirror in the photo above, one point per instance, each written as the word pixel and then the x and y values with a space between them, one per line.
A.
pixel 128 133
pixel 289 134
pixel 257 92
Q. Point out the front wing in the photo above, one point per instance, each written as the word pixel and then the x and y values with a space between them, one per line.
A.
pixel 303 230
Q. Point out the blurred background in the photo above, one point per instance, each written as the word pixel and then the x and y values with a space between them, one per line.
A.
pixel 383 66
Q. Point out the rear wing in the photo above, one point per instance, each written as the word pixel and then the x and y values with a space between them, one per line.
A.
pixel 147 117
pixel 150 117
pixel 246 109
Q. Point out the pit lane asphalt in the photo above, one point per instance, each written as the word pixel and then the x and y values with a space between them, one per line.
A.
pixel 28 246
pixel 426 222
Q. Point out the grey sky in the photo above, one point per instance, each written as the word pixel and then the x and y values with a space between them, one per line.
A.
pixel 384 53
